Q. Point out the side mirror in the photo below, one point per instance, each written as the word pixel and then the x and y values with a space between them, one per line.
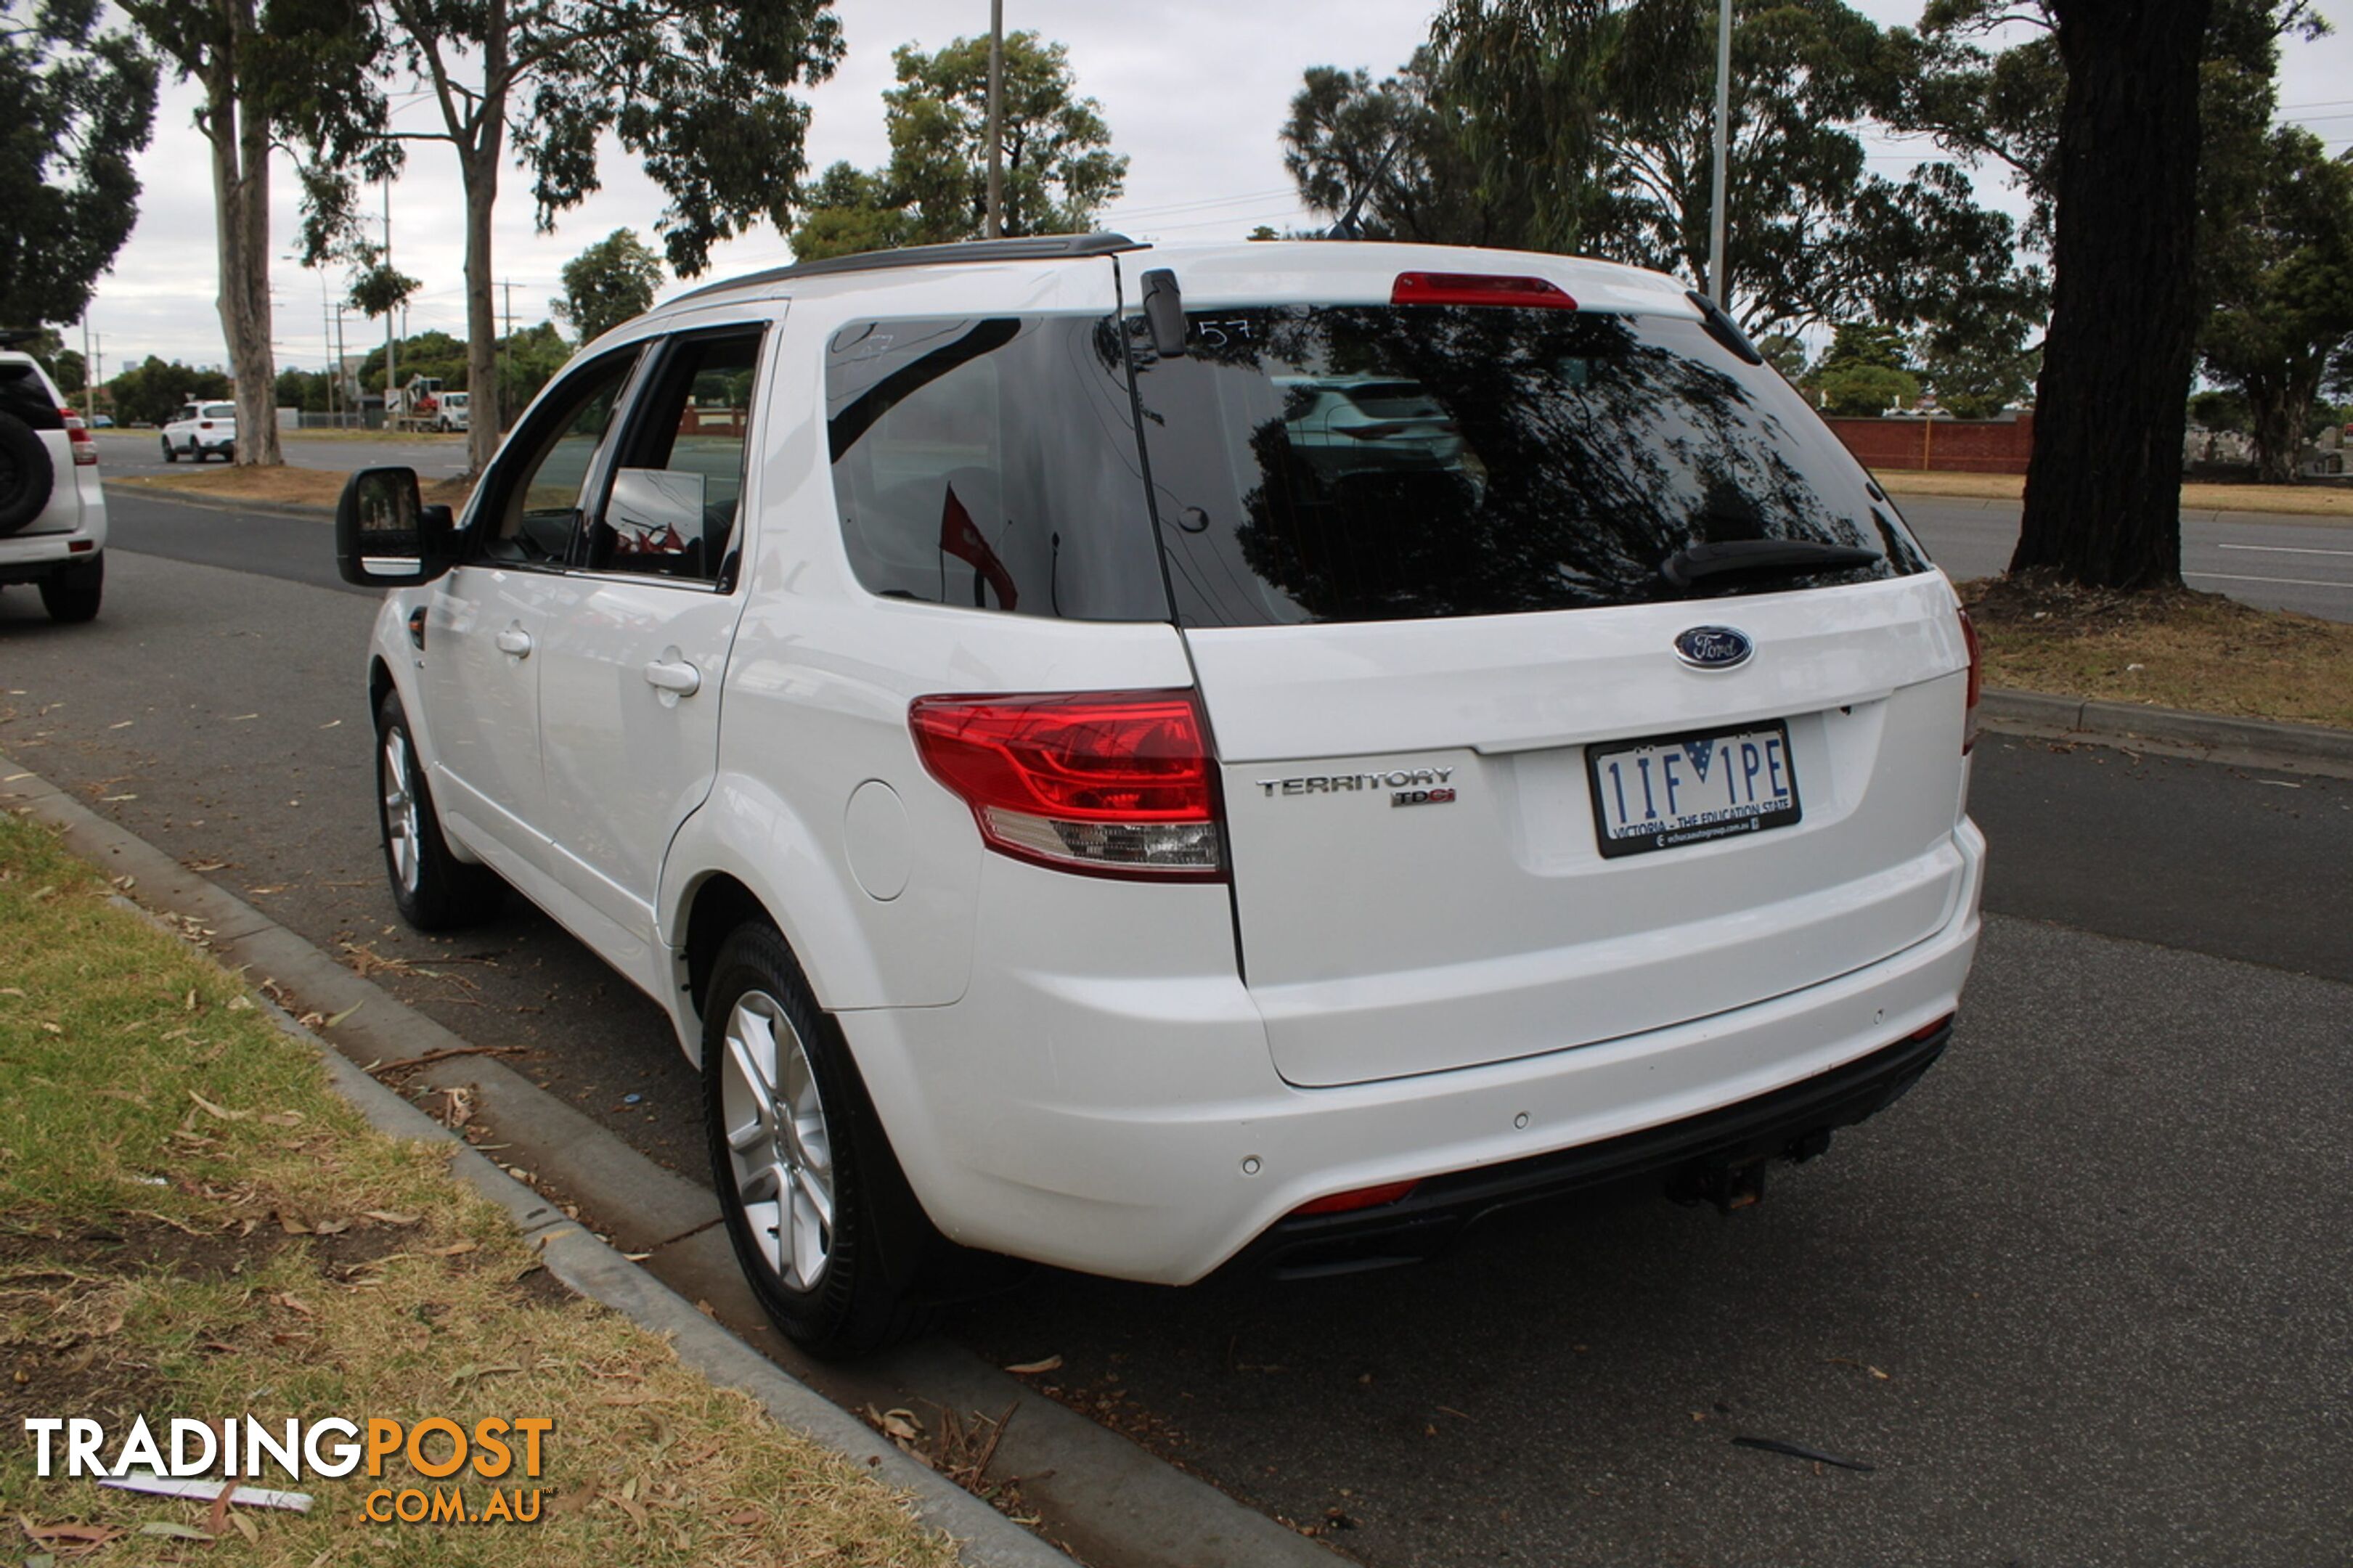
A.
pixel 386 537
pixel 1164 312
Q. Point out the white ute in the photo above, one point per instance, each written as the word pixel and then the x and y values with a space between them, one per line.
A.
pixel 1126 757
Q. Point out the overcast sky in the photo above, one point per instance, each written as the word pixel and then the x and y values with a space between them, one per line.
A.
pixel 1194 91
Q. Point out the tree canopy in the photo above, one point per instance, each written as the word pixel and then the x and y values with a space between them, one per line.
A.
pixel 700 90
pixel 81 102
pixel 610 282
pixel 152 391
pixel 1585 126
pixel 1058 169
pixel 2282 277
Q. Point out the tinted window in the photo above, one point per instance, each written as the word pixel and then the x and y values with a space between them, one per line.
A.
pixel 23 394
pixel 219 411
pixel 671 507
pixel 1402 462
pixel 532 496
pixel 992 463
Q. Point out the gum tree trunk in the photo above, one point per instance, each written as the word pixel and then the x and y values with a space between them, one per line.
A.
pixel 239 136
pixel 2103 485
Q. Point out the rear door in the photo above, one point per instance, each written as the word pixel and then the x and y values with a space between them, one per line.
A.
pixel 1496 783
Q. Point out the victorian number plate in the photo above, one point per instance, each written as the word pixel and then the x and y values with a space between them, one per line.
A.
pixel 1689 788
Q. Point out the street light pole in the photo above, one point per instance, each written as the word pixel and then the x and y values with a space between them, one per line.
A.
pixel 1716 258
pixel 996 222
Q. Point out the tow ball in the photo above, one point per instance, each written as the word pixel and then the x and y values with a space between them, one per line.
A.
pixel 1737 1184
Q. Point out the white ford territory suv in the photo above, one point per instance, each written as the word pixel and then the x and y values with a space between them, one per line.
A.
pixel 1072 806
pixel 52 507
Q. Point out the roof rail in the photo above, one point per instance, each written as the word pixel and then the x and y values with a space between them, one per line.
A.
pixel 1031 248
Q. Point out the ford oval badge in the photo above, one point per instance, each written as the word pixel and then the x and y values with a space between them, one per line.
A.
pixel 1713 647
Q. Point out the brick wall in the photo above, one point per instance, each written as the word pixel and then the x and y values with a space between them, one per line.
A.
pixel 1952 446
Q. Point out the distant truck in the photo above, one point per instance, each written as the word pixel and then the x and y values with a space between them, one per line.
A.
pixel 416 407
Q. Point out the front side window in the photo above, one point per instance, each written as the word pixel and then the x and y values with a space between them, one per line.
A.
pixel 990 462
pixel 670 509
pixel 530 499
pixel 1403 462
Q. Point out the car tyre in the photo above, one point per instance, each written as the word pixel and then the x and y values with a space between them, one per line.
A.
pixel 71 593
pixel 27 474
pixel 171 453
pixel 827 1231
pixel 435 891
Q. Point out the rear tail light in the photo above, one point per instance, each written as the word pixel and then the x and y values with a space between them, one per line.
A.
pixel 85 444
pixel 1478 289
pixel 1977 684
pixel 1111 783
pixel 204 424
pixel 1362 1198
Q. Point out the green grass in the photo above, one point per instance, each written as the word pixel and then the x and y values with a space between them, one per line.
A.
pixel 192 1223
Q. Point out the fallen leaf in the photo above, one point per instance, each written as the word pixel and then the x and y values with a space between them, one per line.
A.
pixel 747 1519
pixel 453 1250
pixel 289 1225
pixel 245 1527
pixel 392 1216
pixel 295 1303
pixel 240 1003
pixel 175 1531
pixel 1029 1368
pixel 331 1227
pixel 87 1534
pixel 469 1372
pixel 900 1424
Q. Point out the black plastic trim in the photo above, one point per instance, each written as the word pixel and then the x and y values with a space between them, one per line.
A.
pixel 1032 247
pixel 1792 1122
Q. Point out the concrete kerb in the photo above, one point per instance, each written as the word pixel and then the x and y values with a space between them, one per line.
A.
pixel 2257 741
pixel 587 1264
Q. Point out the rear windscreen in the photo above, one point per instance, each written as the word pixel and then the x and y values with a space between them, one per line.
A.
pixel 1392 463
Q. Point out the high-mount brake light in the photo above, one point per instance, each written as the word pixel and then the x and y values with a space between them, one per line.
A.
pixel 1478 289
pixel 1110 784
pixel 84 445
pixel 1975 685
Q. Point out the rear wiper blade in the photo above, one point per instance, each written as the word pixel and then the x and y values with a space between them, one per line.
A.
pixel 1694 563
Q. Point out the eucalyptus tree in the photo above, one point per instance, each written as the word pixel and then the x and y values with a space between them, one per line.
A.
pixel 81 102
pixel 1059 168
pixel 292 73
pixel 699 90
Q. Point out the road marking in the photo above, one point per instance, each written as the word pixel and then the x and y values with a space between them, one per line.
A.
pixel 2286 550
pixel 2292 582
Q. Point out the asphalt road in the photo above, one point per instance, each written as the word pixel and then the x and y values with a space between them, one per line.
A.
pixel 2100 1255
pixel 2272 561
pixel 435 456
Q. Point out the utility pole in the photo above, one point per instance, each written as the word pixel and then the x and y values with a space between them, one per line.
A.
pixel 327 339
pixel 391 317
pixel 89 379
pixel 506 346
pixel 995 225
pixel 1716 258
pixel 343 362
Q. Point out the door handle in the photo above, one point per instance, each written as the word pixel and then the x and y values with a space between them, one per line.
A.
pixel 514 640
pixel 674 676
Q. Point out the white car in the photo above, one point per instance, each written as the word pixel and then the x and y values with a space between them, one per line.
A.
pixel 1131 853
pixel 52 507
pixel 451 412
pixel 202 430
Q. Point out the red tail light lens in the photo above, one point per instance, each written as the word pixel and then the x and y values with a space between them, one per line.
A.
pixel 1976 683
pixel 1362 1198
pixel 1478 289
pixel 1115 783
pixel 85 446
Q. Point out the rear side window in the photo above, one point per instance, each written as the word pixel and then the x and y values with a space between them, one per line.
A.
pixel 220 411
pixel 25 395
pixel 1405 462
pixel 990 462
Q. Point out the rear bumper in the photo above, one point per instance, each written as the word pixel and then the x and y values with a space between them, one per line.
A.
pixel 1136 1127
pixel 1789 1124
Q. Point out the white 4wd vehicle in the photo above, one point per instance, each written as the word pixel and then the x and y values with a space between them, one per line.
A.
pixel 52 507
pixel 202 430
pixel 1070 811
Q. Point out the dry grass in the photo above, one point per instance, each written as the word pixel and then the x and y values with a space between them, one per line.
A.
pixel 2301 500
pixel 192 1225
pixel 2176 650
pixel 287 485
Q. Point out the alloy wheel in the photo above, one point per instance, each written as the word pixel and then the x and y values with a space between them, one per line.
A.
pixel 403 816
pixel 778 1139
